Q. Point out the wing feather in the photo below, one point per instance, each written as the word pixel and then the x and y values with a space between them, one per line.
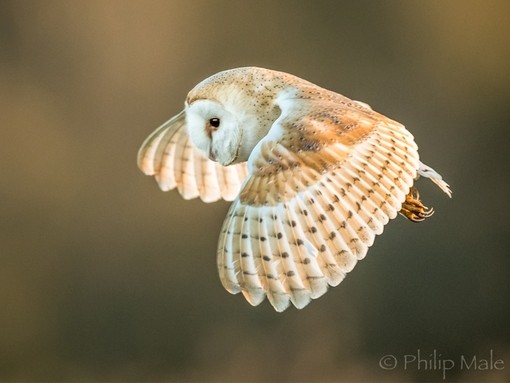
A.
pixel 169 155
pixel 291 288
pixel 228 265
pixel 270 263
pixel 348 211
pixel 184 170
pixel 321 187
pixel 250 258
pixel 325 255
pixel 310 270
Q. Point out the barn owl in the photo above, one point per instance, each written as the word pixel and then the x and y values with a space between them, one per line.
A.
pixel 314 177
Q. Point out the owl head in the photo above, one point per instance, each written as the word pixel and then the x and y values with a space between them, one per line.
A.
pixel 228 114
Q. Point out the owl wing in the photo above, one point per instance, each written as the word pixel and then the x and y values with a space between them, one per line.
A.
pixel 322 184
pixel 169 155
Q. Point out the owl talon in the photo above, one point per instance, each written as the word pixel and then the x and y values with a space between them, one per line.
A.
pixel 413 209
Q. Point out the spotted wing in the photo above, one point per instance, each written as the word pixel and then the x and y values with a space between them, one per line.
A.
pixel 322 184
pixel 169 155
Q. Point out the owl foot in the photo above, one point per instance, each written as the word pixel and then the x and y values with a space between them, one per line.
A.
pixel 413 209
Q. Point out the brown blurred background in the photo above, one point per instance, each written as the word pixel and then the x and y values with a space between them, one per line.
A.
pixel 105 278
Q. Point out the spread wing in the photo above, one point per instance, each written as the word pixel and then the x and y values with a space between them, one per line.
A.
pixel 322 184
pixel 169 155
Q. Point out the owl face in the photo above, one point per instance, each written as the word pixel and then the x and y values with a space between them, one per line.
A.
pixel 225 136
pixel 214 130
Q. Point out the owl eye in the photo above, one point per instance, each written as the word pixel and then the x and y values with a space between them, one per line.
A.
pixel 215 122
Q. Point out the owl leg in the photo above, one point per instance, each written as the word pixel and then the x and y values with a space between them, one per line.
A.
pixel 413 209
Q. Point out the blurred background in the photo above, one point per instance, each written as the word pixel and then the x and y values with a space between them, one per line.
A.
pixel 105 278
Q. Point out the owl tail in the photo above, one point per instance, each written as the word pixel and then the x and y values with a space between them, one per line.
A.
pixel 428 172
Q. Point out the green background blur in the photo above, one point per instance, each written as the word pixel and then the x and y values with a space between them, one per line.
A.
pixel 105 278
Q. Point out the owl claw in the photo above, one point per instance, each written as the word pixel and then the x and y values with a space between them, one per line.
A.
pixel 413 209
